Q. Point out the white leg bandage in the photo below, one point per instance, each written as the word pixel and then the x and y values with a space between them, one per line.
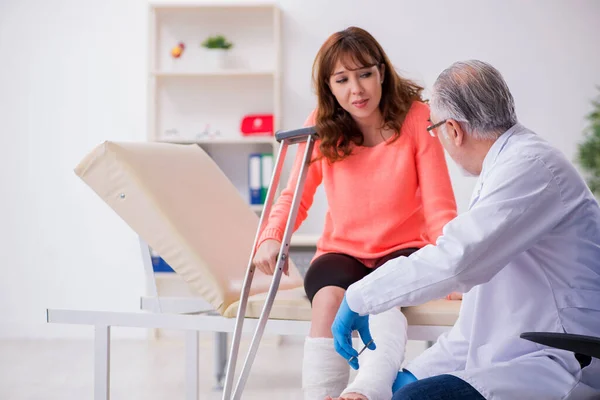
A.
pixel 378 368
pixel 324 371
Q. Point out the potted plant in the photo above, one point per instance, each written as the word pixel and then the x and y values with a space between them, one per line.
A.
pixel 588 155
pixel 216 50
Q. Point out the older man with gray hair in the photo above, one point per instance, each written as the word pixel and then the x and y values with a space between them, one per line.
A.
pixel 526 254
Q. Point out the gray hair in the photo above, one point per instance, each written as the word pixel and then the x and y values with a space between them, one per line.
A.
pixel 475 94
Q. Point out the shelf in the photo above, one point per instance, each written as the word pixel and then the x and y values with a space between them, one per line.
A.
pixel 303 239
pixel 186 4
pixel 213 73
pixel 248 140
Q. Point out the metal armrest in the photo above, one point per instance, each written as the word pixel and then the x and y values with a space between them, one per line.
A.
pixel 578 344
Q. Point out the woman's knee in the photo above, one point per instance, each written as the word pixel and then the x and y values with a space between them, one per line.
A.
pixel 332 269
pixel 329 296
pixel 325 305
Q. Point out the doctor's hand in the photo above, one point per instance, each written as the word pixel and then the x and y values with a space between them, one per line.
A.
pixel 265 258
pixel 346 321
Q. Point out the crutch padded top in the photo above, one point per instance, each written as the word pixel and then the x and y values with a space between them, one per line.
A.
pixel 180 202
pixel 296 135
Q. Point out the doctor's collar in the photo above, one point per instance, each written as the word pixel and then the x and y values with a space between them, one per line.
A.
pixel 498 146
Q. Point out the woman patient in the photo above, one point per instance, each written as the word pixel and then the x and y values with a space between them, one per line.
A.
pixel 388 193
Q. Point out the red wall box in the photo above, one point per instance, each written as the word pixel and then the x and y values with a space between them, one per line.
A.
pixel 257 125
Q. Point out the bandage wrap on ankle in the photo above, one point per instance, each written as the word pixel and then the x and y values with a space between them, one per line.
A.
pixel 378 368
pixel 324 372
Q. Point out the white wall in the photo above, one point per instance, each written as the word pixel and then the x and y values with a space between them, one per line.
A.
pixel 72 74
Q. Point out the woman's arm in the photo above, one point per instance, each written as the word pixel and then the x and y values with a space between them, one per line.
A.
pixel 275 226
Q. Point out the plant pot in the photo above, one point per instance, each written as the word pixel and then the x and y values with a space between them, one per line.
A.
pixel 215 58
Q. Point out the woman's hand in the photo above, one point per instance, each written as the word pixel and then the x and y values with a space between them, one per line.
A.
pixel 265 258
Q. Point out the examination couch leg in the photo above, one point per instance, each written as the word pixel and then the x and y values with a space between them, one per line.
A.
pixel 102 362
pixel 191 364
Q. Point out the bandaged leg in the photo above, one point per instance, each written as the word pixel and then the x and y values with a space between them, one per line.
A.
pixel 378 368
pixel 324 371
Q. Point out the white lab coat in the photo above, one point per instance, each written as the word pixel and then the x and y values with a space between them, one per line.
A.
pixel 527 256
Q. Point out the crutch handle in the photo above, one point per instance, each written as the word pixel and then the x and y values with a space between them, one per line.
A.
pixel 296 135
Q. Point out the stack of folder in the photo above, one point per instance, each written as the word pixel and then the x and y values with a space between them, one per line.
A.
pixel 260 169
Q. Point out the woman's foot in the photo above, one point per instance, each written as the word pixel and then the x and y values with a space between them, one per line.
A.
pixel 324 372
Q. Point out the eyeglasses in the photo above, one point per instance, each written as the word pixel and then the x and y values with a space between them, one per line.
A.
pixel 430 128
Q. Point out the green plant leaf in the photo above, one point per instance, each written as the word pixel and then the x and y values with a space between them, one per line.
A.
pixel 216 42
pixel 588 151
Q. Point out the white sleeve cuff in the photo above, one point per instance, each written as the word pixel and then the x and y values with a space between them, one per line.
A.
pixel 355 300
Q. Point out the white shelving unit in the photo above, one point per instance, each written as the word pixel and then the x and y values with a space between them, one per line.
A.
pixel 188 93
pixel 192 102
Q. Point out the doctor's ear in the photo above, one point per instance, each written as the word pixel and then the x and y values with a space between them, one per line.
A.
pixel 455 132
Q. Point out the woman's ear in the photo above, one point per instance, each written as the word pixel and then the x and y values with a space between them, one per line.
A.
pixel 382 71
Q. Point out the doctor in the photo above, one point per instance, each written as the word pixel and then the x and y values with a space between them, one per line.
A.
pixel 526 254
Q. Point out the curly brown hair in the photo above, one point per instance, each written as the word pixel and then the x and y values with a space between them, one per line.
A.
pixel 336 128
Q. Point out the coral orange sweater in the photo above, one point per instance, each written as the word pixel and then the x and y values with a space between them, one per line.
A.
pixel 381 199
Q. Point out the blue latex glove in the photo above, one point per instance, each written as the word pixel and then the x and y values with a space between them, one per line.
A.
pixel 403 378
pixel 346 321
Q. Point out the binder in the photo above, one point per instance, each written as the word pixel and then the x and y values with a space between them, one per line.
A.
pixel 254 178
pixel 158 263
pixel 266 172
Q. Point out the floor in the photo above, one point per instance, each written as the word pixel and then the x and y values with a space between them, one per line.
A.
pixel 143 369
